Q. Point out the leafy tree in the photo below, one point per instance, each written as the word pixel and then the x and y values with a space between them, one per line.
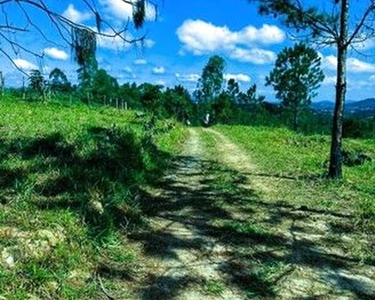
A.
pixel 251 101
pixel 296 77
pixel 86 74
pixel 224 109
pixel 104 86
pixel 131 94
pixel 211 82
pixel 58 81
pixel 36 81
pixel 329 29
pixel 152 98
pixel 178 103
pixel 233 89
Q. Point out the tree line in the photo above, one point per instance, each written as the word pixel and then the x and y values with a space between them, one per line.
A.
pixel 340 28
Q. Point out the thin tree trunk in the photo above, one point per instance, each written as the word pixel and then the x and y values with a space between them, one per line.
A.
pixel 335 165
pixel 295 119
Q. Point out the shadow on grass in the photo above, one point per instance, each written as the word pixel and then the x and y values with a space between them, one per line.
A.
pixel 97 176
pixel 205 197
pixel 107 166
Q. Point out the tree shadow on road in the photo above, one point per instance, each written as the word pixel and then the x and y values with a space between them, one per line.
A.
pixel 219 206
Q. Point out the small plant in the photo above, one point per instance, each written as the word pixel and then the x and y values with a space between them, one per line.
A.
pixel 214 287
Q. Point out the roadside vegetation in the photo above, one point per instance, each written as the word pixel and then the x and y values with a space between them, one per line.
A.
pixel 70 180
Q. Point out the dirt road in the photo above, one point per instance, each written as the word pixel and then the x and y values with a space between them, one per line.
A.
pixel 214 234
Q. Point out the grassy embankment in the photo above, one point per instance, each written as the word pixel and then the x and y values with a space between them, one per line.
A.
pixel 69 180
pixel 281 153
pixel 282 193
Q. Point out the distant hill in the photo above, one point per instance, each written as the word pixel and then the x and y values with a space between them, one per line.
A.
pixel 363 107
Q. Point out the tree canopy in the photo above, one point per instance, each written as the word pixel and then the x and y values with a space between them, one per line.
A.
pixel 296 77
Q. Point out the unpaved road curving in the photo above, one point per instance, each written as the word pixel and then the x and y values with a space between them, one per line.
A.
pixel 203 242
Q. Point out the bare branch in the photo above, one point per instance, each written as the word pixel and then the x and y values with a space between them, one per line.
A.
pixel 361 24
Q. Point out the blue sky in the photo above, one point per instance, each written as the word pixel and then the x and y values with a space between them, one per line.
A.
pixel 179 44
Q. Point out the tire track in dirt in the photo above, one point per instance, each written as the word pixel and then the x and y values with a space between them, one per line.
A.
pixel 180 255
pixel 319 258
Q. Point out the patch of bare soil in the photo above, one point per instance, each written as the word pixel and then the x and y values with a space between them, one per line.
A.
pixel 180 257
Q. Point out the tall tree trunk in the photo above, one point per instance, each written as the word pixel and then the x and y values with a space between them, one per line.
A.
pixel 335 165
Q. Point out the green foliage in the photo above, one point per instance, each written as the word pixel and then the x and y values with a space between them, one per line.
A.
pixel 70 180
pixel 152 98
pixel 59 82
pixel 86 75
pixel 211 82
pixel 224 110
pixel 104 86
pixel 299 16
pixel 303 159
pixel 179 104
pixel 36 81
pixel 295 78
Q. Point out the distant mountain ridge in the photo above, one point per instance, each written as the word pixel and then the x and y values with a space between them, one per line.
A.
pixel 362 107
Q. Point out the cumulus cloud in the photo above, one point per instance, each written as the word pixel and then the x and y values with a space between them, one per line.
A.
pixel 238 77
pixel 123 11
pixel 56 53
pixel 187 77
pixel 76 16
pixel 113 43
pixel 24 64
pixel 256 56
pixel 200 37
pixel 140 62
pixel 158 70
pixel 354 65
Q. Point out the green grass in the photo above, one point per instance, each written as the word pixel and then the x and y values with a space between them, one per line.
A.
pixel 69 184
pixel 281 153
pixel 214 287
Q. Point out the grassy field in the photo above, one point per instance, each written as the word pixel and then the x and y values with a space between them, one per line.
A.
pixel 69 182
pixel 71 179
pixel 283 154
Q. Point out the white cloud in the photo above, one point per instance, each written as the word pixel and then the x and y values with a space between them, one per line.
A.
pixel 112 43
pixel 256 56
pixel 148 43
pixel 56 53
pixel 123 11
pixel 158 70
pixel 238 77
pixel 200 37
pixel 267 34
pixel 111 40
pixel 364 44
pixel 187 77
pixel 354 65
pixel 128 70
pixel 160 82
pixel 140 62
pixel 76 16
pixel 357 66
pixel 329 80
pixel 24 64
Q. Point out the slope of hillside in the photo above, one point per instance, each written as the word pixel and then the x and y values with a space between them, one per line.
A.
pixel 363 107
pixel 70 180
